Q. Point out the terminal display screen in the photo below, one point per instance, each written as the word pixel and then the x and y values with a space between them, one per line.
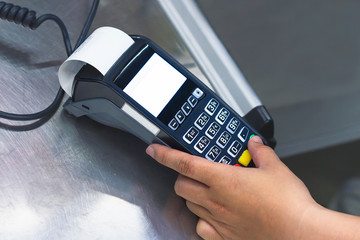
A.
pixel 155 84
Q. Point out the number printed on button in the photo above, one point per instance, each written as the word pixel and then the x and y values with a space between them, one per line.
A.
pixel 234 149
pixel 213 153
pixel 225 160
pixel 190 135
pixel 233 125
pixel 223 139
pixel 211 107
pixel 202 144
pixel 202 121
pixel 222 116
pixel 212 130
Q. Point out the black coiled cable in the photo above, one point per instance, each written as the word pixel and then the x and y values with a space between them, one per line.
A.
pixel 27 18
pixel 17 14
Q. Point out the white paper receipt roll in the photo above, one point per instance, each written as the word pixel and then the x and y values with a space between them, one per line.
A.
pixel 101 50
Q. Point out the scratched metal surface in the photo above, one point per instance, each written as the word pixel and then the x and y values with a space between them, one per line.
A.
pixel 74 178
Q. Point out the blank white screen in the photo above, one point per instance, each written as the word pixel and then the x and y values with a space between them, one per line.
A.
pixel 155 84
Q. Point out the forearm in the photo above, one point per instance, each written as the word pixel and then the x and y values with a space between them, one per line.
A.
pixel 321 223
pixel 267 202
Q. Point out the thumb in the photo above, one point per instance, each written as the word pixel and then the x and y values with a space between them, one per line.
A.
pixel 262 155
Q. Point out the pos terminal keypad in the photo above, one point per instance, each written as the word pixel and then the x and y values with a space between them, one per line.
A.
pixel 213 131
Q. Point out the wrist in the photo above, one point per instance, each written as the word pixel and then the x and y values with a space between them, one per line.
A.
pixel 310 222
pixel 318 222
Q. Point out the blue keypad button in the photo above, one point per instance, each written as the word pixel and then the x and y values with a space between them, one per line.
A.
pixel 222 116
pixel 223 139
pixel 212 130
pixel 225 160
pixel 198 93
pixel 192 101
pixel 186 108
pixel 213 153
pixel 211 106
pixel 233 125
pixel 190 135
pixel 244 132
pixel 173 124
pixel 234 148
pixel 180 116
pixel 202 120
pixel 201 145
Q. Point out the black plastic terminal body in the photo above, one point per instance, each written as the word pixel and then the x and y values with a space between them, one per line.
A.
pixel 91 84
pixel 261 120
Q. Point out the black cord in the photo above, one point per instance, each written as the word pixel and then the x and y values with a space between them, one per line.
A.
pixel 87 24
pixel 27 18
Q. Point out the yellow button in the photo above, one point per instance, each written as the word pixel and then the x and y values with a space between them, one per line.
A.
pixel 245 158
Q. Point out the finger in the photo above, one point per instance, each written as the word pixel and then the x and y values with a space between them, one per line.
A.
pixel 186 164
pixel 191 190
pixel 262 155
pixel 199 210
pixel 207 231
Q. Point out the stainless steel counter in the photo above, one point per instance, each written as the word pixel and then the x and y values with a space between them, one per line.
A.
pixel 74 178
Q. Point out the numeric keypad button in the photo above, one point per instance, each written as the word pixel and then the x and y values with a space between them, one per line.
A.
pixel 234 149
pixel 212 130
pixel 244 132
pixel 222 116
pixel 225 160
pixel 202 121
pixel 213 153
pixel 211 106
pixel 190 135
pixel 201 145
pixel 233 125
pixel 223 139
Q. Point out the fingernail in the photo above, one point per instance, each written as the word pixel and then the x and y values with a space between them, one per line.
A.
pixel 150 151
pixel 257 139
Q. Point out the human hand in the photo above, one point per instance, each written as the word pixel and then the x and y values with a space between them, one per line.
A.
pixel 267 202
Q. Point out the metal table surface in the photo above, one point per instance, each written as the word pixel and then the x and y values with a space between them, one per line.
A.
pixel 74 178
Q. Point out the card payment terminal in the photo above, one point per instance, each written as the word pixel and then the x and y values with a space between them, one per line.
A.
pixel 148 93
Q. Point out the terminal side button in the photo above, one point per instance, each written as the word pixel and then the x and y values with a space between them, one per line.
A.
pixel 173 124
